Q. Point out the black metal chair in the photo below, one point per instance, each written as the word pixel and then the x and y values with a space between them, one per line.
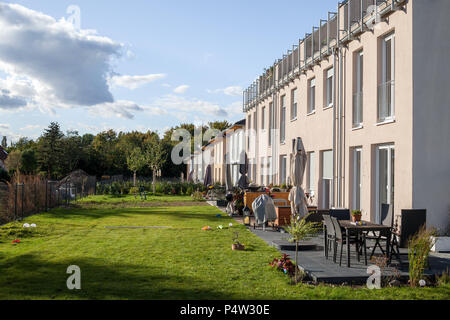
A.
pixel 342 240
pixel 340 214
pixel 330 235
pixel 387 219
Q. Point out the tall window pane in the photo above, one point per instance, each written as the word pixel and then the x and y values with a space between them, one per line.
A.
pixel 283 119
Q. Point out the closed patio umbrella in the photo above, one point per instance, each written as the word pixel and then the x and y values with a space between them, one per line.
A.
pixel 243 169
pixel 297 196
pixel 208 177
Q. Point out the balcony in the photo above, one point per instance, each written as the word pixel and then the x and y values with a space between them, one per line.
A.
pixel 386 101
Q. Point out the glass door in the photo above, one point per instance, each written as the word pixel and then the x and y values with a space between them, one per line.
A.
pixel 385 178
pixel 357 152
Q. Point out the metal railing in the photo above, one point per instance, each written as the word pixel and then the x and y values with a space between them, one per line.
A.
pixel 386 101
pixel 357 109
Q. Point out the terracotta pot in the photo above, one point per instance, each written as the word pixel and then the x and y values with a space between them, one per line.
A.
pixel 356 218
pixel 238 247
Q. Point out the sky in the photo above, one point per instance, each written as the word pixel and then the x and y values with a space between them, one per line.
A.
pixel 138 64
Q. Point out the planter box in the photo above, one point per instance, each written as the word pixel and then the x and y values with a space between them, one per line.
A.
pixel 442 244
pixel 283 216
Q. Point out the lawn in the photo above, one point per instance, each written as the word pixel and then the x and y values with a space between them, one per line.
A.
pixel 177 262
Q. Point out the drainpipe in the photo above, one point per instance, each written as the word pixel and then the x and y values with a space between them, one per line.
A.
pixel 334 126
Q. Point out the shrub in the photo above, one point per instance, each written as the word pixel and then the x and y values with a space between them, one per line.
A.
pixel 197 196
pixel 420 246
pixel 134 190
pixel 284 264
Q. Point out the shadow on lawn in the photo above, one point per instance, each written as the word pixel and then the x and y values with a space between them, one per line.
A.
pixel 27 276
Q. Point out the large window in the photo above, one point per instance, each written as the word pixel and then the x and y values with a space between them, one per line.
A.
pixel 386 96
pixel 270 122
pixel 294 104
pixel 312 96
pixel 262 171
pixel 311 177
pixel 329 85
pixel 263 118
pixel 357 153
pixel 385 167
pixel 283 119
pixel 358 89
pixel 327 179
pixel 283 169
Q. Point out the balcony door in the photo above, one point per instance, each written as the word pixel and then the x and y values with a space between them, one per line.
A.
pixel 386 90
pixel 385 168
pixel 357 152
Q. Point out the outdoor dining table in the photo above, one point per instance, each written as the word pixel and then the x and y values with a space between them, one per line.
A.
pixel 351 228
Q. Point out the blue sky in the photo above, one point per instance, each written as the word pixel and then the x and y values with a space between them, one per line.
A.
pixel 194 58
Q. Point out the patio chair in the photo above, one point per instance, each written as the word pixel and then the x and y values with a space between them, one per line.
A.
pixel 342 240
pixel 331 236
pixel 387 219
pixel 340 214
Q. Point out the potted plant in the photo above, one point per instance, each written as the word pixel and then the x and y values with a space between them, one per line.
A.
pixel 356 215
pixel 237 245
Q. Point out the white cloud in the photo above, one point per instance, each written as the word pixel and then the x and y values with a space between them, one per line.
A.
pixel 181 89
pixel 51 62
pixel 234 91
pixel 122 109
pixel 134 82
pixel 8 101
pixel 31 127
pixel 4 126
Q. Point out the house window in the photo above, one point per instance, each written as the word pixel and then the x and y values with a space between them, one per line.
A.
pixel 263 118
pixel 283 169
pixel 249 130
pixel 312 96
pixel 329 87
pixel 358 90
pixel 270 123
pixel 327 179
pixel 311 177
pixel 269 175
pixel 386 87
pixel 357 152
pixel 283 119
pixel 294 104
pixel 255 122
pixel 262 171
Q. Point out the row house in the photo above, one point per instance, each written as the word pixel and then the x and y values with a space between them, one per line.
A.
pixel 367 91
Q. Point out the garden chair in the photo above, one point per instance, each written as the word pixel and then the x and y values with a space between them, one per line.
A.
pixel 340 214
pixel 387 219
pixel 330 237
pixel 342 240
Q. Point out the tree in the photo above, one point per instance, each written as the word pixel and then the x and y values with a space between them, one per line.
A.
pixel 14 161
pixel 155 157
pixel 4 142
pixel 28 161
pixel 300 230
pixel 136 161
pixel 50 150
pixel 220 125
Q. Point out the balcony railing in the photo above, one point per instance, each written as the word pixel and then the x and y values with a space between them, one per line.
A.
pixel 357 109
pixel 386 101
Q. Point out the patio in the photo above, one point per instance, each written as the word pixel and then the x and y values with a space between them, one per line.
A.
pixel 320 269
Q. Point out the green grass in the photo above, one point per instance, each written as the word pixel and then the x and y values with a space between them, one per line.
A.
pixel 180 262
pixel 109 199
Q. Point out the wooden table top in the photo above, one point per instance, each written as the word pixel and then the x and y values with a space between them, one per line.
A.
pixel 368 226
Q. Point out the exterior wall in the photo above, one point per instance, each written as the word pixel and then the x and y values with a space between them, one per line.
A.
pixel 372 134
pixel 316 129
pixel 236 147
pixel 431 110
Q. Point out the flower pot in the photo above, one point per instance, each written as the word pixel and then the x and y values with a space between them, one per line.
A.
pixel 356 218
pixel 238 247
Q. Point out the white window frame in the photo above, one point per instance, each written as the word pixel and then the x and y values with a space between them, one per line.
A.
pixel 283 119
pixel 385 39
pixel 312 96
pixel 390 148
pixel 312 173
pixel 355 171
pixel 359 88
pixel 329 92
pixel 294 104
